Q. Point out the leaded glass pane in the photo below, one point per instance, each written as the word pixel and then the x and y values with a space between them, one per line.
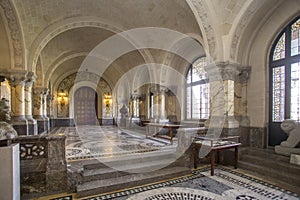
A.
pixel 295 38
pixel 197 99
pixel 196 95
pixel 198 69
pixel 295 91
pixel 279 51
pixel 278 93
pixel 188 103
pixel 204 104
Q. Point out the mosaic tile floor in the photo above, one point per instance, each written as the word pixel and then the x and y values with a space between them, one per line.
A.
pixel 84 142
pixel 226 184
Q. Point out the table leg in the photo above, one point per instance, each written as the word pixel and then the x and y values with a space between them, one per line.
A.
pixel 147 130
pixel 171 135
pixel 212 162
pixel 218 157
pixel 196 153
pixel 236 155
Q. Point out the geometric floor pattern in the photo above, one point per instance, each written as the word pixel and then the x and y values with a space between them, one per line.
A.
pixel 84 142
pixel 226 184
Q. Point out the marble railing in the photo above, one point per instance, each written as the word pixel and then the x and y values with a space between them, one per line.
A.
pixel 43 164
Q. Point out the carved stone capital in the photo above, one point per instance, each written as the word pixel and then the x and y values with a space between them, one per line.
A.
pixel 17 78
pixel 228 71
pixel 30 79
pixel 135 96
pixel 38 91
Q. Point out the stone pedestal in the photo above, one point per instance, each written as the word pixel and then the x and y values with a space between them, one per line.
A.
pixel 295 159
pixel 56 174
pixel 286 151
pixel 10 172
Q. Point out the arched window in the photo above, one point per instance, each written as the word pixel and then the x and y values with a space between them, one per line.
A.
pixel 197 91
pixel 284 79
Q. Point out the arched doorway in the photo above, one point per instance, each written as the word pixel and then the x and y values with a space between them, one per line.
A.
pixel 85 106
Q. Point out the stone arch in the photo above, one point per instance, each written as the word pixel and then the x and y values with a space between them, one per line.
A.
pixel 240 24
pixel 15 34
pixel 61 59
pixel 202 14
pixel 78 22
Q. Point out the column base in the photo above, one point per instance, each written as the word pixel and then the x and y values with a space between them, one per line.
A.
pixel 20 124
pixel 32 126
pixel 52 121
pixel 43 124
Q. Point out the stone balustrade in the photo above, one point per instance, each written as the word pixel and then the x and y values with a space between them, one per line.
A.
pixel 43 164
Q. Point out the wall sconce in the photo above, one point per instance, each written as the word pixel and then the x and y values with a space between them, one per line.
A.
pixel 107 96
pixel 62 97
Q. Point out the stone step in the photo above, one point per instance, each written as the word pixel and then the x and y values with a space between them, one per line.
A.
pixel 266 162
pixel 266 154
pixel 130 159
pixel 129 181
pixel 122 170
pixel 283 176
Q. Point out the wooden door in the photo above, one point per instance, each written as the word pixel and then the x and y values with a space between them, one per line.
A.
pixel 85 106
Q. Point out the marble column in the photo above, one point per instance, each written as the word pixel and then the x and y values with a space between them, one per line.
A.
pixel 159 104
pixel 17 83
pixel 162 105
pixel 38 109
pixel 227 93
pixel 32 123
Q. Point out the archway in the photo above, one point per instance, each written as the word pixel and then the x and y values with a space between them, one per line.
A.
pixel 85 106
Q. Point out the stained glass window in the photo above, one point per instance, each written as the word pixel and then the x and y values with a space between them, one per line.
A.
pixel 279 52
pixel 278 93
pixel 295 91
pixel 295 38
pixel 285 74
pixel 197 91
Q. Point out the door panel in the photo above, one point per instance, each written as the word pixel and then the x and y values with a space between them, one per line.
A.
pixel 85 103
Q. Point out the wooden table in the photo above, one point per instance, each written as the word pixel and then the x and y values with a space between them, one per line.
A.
pixel 171 127
pixel 215 148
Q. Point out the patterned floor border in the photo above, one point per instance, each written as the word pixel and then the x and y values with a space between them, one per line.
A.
pixel 194 174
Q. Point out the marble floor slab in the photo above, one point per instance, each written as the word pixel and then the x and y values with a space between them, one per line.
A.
pixel 87 142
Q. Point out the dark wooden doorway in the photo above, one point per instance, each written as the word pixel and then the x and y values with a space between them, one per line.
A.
pixel 85 106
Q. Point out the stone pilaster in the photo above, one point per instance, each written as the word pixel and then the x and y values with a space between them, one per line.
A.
pixel 32 123
pixel 44 102
pixel 228 83
pixel 38 109
pixel 50 110
pixel 17 82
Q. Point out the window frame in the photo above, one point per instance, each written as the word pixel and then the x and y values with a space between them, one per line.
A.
pixel 191 84
pixel 287 61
